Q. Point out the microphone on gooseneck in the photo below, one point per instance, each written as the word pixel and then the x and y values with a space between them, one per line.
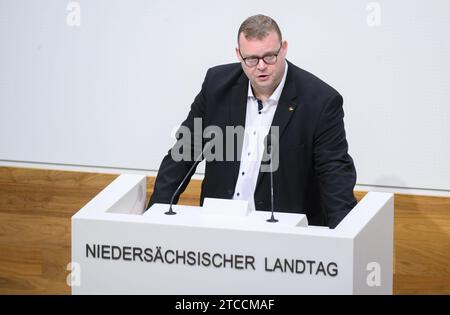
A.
pixel 269 150
pixel 197 160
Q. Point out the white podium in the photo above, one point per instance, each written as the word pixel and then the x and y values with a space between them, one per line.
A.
pixel 118 249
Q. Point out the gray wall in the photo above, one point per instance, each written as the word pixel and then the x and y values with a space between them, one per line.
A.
pixel 109 92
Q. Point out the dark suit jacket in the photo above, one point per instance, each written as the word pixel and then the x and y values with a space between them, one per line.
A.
pixel 316 175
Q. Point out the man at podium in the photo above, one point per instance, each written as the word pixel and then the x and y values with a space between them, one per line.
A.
pixel 265 94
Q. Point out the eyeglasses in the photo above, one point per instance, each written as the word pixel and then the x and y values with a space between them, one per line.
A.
pixel 269 59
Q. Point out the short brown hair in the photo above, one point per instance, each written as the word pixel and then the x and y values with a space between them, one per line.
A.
pixel 258 27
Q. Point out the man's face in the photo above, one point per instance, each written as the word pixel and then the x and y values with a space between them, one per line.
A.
pixel 263 77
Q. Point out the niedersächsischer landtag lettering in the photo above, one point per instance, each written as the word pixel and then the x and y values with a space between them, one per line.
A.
pixel 206 259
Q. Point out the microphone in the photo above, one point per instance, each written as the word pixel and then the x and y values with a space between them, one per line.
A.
pixel 269 150
pixel 197 160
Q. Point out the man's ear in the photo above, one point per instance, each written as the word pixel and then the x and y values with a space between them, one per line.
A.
pixel 284 44
pixel 238 55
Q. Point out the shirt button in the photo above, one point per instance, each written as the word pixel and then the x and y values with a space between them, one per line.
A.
pixel 237 194
pixel 248 153
pixel 254 132
pixel 243 173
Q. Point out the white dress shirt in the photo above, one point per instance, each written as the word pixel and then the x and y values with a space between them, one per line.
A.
pixel 257 126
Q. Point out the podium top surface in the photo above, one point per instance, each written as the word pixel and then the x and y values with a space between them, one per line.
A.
pixel 128 192
pixel 201 217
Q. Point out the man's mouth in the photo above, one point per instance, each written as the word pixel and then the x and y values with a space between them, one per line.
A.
pixel 263 77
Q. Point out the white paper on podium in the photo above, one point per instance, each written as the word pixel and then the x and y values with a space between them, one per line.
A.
pixel 227 207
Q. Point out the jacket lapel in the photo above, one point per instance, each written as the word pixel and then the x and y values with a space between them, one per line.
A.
pixel 238 111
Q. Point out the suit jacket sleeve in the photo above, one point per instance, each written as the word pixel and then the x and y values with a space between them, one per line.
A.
pixel 172 171
pixel 333 165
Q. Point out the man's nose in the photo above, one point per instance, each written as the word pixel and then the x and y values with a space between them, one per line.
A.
pixel 261 64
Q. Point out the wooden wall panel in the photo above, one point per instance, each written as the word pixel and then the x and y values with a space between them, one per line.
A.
pixel 422 244
pixel 35 211
pixel 36 207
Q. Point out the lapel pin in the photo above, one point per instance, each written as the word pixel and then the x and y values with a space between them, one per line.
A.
pixel 291 108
